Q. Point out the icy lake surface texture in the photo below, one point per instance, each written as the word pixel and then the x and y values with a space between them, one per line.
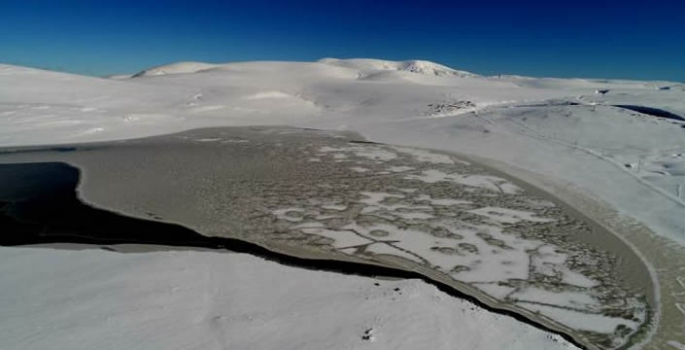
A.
pixel 320 193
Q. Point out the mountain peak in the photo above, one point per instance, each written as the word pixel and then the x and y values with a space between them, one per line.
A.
pixel 413 66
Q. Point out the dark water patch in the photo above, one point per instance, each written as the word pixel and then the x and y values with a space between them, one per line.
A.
pixel 549 104
pixel 63 149
pixel 39 205
pixel 655 112
pixel 362 142
pixel 60 149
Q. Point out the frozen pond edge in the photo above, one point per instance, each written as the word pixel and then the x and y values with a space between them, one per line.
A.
pixel 293 251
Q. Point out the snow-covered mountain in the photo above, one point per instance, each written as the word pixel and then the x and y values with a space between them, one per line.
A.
pixel 371 66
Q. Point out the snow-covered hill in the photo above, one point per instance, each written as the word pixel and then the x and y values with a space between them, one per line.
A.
pixel 365 67
pixel 175 68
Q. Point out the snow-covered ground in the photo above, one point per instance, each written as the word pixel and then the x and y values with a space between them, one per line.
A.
pixel 95 299
pixel 572 132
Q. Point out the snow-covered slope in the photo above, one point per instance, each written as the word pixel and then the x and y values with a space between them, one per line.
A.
pixel 264 67
pixel 175 68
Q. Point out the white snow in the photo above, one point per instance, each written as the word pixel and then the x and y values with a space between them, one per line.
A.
pixel 400 169
pixel 94 299
pixel 334 206
pixel 368 67
pixel 290 214
pixel 375 198
pixel 268 95
pixel 378 154
pixel 442 201
pixel 510 216
pixel 492 183
pixel 343 239
pixel 413 215
pixel 359 169
pixel 486 264
pixel 176 68
pixel 565 299
pixel 494 289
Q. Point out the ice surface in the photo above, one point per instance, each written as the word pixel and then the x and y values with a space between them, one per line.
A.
pixel 582 320
pixel 484 181
pixel 442 201
pixel 509 216
pixel 427 156
pixel 562 298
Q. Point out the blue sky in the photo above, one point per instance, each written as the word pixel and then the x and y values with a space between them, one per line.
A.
pixel 580 38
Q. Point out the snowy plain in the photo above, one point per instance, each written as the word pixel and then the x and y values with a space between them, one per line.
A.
pixel 565 130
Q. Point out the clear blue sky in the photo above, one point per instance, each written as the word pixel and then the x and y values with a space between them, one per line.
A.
pixel 581 38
